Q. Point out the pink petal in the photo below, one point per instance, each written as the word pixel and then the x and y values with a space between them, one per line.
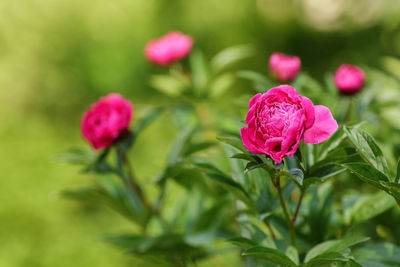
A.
pixel 324 126
pixel 309 111
pixel 247 143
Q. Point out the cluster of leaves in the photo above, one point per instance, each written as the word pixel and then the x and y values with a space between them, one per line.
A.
pixel 249 201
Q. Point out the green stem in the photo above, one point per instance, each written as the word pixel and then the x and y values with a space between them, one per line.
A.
pixel 285 211
pixel 273 235
pixel 298 207
pixel 133 184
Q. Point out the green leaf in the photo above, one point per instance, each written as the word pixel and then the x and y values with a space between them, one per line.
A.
pixel 233 141
pixel 297 175
pixel 247 156
pixel 368 149
pixel 260 81
pixel 312 180
pixel 367 173
pixel 242 242
pixel 397 180
pixel 234 187
pixel 255 165
pixel 179 144
pixel 333 142
pixel 271 255
pixel 231 55
pixel 367 207
pixel 196 147
pixel 199 70
pixel 326 259
pixel 292 253
pixel 220 84
pixel 382 255
pixel 76 156
pixel 333 246
pixel 168 84
pixel 146 119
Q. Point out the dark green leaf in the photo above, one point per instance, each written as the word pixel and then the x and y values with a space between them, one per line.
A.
pixel 235 188
pixel 271 255
pixel 397 180
pixel 368 149
pixel 247 156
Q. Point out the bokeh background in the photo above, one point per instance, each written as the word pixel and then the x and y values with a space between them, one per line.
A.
pixel 58 56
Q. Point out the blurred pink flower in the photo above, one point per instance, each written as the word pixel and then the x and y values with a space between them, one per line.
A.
pixel 279 119
pixel 349 79
pixel 169 48
pixel 106 120
pixel 284 67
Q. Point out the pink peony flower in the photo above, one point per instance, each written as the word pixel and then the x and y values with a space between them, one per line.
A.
pixel 284 67
pixel 280 118
pixel 349 79
pixel 170 48
pixel 106 120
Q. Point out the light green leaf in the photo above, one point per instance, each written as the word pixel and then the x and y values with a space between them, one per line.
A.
pixel 271 255
pixel 168 84
pixel 221 83
pixel 242 242
pixel 233 141
pixel 333 246
pixel 260 81
pixel 367 173
pixel 231 55
pixel 366 208
pixel 199 70
pixel 368 149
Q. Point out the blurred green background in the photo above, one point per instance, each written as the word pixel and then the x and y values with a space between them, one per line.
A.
pixel 58 56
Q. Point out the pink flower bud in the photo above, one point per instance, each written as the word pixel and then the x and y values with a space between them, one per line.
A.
pixel 169 48
pixel 106 120
pixel 284 67
pixel 280 118
pixel 349 79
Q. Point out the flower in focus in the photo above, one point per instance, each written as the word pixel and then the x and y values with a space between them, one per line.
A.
pixel 349 79
pixel 279 119
pixel 169 48
pixel 284 67
pixel 106 120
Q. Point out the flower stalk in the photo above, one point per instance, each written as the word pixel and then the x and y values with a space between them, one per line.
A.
pixel 285 212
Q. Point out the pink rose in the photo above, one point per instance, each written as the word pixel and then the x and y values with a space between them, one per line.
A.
pixel 278 119
pixel 349 79
pixel 170 48
pixel 106 120
pixel 284 67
